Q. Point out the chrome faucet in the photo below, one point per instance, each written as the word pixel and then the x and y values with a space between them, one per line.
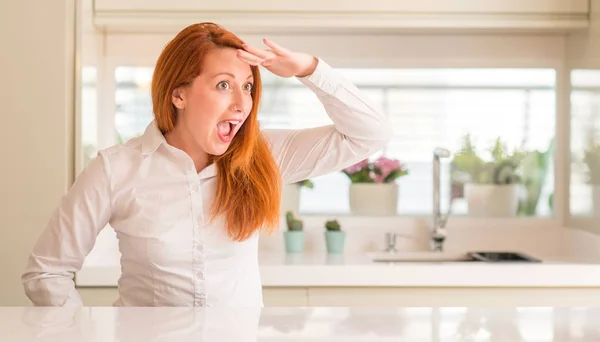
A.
pixel 438 231
pixel 390 241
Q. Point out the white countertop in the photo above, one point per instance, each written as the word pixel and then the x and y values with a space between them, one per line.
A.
pixel 423 324
pixel 349 270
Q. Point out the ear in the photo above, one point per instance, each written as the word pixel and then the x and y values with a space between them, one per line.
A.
pixel 178 98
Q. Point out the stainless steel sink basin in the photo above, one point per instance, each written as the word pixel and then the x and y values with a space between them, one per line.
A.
pixel 430 256
pixel 502 257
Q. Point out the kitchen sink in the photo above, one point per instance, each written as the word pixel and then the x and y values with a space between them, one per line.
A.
pixel 427 256
pixel 502 257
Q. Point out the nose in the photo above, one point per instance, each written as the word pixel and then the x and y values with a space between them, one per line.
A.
pixel 238 102
pixel 236 108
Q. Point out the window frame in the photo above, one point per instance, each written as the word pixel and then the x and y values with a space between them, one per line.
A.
pixel 117 51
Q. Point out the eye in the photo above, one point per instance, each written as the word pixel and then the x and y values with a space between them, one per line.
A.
pixel 248 86
pixel 223 85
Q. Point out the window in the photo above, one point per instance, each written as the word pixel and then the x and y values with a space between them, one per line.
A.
pixel 585 141
pixel 428 108
pixel 89 113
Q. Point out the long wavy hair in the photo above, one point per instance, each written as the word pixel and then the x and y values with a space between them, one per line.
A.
pixel 249 182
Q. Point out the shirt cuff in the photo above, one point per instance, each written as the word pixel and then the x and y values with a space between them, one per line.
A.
pixel 323 79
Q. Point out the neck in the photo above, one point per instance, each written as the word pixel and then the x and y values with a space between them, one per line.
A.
pixel 182 140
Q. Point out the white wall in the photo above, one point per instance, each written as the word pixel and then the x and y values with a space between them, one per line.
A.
pixel 37 70
pixel 536 236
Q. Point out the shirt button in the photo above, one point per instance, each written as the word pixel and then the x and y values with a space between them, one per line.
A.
pixel 195 187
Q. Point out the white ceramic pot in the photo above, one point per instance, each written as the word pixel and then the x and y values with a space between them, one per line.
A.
pixel 492 200
pixel 290 198
pixel 374 199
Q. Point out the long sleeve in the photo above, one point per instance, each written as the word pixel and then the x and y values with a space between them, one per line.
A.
pixel 68 238
pixel 358 131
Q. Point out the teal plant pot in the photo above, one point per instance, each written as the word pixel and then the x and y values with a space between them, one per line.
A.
pixel 335 241
pixel 294 241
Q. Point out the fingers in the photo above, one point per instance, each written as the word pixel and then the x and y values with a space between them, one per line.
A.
pixel 254 56
pixel 264 54
pixel 280 50
pixel 249 58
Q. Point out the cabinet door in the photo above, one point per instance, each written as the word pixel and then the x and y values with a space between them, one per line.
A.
pixel 274 296
pixel 499 297
pixel 284 296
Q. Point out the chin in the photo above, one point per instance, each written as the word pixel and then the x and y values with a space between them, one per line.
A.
pixel 218 149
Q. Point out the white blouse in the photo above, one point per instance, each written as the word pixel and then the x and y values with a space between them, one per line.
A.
pixel 151 195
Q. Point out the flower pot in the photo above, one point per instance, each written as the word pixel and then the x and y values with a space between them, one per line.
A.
pixel 294 241
pixel 290 198
pixel 491 200
pixel 373 199
pixel 334 240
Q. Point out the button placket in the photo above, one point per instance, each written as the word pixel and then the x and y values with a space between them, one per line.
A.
pixel 198 256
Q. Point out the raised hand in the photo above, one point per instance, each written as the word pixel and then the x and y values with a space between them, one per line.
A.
pixel 279 60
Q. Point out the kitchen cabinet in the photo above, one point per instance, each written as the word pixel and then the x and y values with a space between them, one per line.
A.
pixel 284 296
pixel 423 296
pixel 400 296
pixel 300 16
pixel 276 296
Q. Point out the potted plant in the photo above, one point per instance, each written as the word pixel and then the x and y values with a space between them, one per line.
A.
pixel 490 186
pixel 373 188
pixel 334 237
pixel 290 196
pixel 591 159
pixel 534 169
pixel 294 236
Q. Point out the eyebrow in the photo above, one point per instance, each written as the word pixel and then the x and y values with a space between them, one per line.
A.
pixel 230 75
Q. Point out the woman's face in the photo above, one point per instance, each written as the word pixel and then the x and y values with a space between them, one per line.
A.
pixel 212 109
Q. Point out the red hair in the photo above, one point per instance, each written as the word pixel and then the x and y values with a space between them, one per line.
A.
pixel 249 182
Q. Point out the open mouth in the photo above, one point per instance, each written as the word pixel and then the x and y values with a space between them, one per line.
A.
pixel 226 129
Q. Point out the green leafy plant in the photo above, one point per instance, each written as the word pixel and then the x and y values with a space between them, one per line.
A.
pixel 591 159
pixel 306 183
pixel 333 225
pixel 534 171
pixel 293 223
pixel 500 168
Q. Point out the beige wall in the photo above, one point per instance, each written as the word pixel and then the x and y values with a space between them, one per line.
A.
pixel 36 68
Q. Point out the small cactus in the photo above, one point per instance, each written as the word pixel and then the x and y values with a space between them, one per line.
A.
pixel 293 223
pixel 332 225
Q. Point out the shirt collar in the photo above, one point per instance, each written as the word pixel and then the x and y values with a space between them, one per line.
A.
pixel 153 138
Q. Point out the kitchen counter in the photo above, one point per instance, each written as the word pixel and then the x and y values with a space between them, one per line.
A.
pixel 425 324
pixel 357 270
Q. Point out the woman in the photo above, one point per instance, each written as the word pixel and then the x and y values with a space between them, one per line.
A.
pixel 188 198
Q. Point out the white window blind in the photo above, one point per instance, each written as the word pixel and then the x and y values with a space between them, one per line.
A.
pixel 428 108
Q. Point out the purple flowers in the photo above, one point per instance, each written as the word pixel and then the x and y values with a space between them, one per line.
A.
pixel 382 170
